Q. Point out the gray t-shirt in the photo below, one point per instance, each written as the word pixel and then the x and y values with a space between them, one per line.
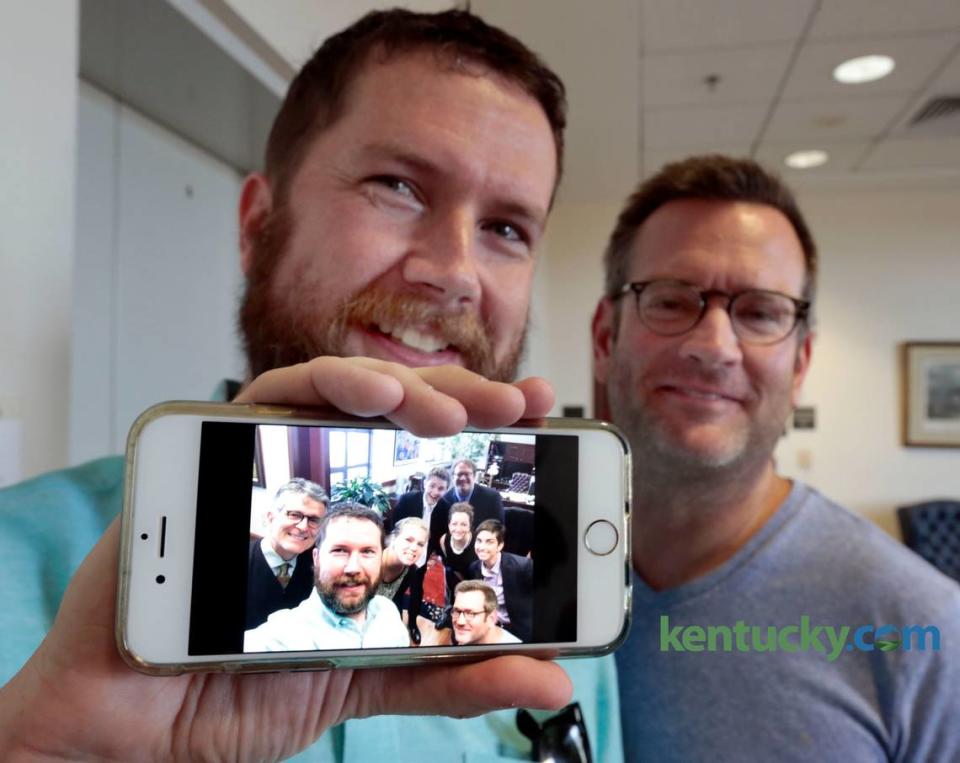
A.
pixel 698 682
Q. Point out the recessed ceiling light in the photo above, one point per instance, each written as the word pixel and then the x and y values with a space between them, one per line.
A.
pixel 805 160
pixel 863 69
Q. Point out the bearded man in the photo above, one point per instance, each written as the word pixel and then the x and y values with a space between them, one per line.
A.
pixel 389 250
pixel 343 610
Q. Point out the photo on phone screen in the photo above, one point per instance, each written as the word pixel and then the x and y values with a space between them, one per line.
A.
pixel 360 537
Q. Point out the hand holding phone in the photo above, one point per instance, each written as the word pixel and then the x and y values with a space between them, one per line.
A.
pixel 105 709
pixel 207 552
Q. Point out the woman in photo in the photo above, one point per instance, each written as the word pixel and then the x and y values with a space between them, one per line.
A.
pixel 457 543
pixel 405 545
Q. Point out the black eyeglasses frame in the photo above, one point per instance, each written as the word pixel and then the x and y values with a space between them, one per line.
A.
pixel 801 306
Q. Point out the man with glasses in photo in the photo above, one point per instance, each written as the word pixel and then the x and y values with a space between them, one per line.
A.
pixel 343 609
pixel 486 502
pixel 474 615
pixel 280 571
pixel 702 343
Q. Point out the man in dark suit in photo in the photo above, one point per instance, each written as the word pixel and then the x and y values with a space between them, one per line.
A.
pixel 280 568
pixel 486 501
pixel 428 504
pixel 509 575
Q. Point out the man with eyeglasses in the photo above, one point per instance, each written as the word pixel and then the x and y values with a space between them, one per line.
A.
pixel 474 615
pixel 280 572
pixel 486 502
pixel 702 343
pixel 343 610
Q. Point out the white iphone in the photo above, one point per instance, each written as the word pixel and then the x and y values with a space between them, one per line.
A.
pixel 260 538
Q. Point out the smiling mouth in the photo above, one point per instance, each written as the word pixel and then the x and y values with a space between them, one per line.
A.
pixel 413 338
pixel 700 394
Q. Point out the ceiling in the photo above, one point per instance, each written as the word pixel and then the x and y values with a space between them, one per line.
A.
pixel 638 73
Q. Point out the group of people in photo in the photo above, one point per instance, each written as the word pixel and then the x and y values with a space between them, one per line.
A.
pixel 433 572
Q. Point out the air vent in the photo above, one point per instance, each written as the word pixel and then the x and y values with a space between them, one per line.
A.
pixel 939 117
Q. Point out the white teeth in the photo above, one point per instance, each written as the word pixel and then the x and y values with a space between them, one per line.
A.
pixel 703 395
pixel 413 338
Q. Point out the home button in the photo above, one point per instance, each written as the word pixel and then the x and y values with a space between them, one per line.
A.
pixel 601 537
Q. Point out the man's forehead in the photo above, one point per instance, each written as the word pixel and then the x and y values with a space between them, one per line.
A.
pixel 419 109
pixel 691 239
pixel 341 528
pixel 467 596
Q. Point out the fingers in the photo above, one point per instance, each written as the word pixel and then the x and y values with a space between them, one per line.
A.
pixel 461 690
pixel 425 410
pixel 538 395
pixel 358 389
pixel 430 402
pixel 487 404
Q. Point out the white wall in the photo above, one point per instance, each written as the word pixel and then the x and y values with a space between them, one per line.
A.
pixel 38 61
pixel 158 274
pixel 890 273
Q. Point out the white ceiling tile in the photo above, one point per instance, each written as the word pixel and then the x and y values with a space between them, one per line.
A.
pixel 653 161
pixel 684 24
pixel 917 58
pixel 900 154
pixel 855 18
pixel 595 51
pixel 295 28
pixel 948 81
pixel 831 120
pixel 747 75
pixel 730 125
pixel 843 155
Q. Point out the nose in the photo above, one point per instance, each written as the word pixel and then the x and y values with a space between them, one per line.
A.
pixel 443 260
pixel 353 562
pixel 713 343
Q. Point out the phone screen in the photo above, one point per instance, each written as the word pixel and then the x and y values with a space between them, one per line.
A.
pixel 492 559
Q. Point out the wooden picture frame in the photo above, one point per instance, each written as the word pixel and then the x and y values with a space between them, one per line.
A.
pixel 931 391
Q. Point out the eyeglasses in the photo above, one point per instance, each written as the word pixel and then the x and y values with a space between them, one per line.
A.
pixel 470 614
pixel 296 517
pixel 758 316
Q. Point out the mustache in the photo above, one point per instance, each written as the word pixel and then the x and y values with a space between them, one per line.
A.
pixel 463 329
pixel 351 580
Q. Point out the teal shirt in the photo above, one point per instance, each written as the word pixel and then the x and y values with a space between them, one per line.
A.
pixel 47 526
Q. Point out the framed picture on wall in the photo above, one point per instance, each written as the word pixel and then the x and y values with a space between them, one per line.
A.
pixel 406 448
pixel 932 394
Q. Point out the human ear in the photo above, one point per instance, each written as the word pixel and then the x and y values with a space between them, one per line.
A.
pixel 801 365
pixel 256 203
pixel 603 331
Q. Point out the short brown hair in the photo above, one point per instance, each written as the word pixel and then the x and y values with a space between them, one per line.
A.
pixel 494 526
pixel 468 462
pixel 440 473
pixel 489 595
pixel 461 507
pixel 349 510
pixel 317 94
pixel 713 178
